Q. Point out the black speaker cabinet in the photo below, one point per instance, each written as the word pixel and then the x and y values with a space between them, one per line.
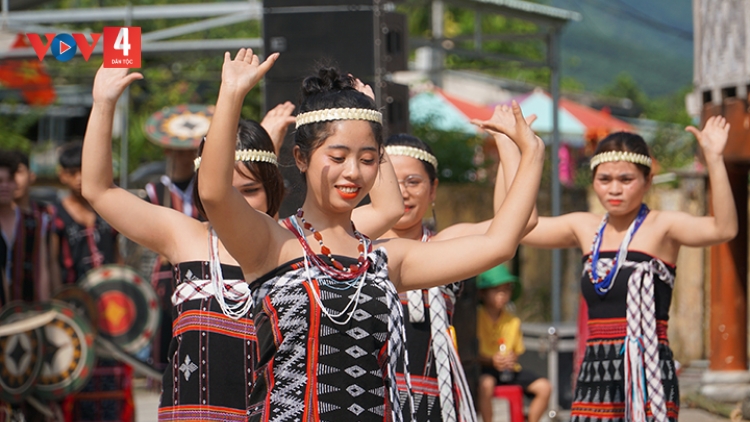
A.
pixel 358 36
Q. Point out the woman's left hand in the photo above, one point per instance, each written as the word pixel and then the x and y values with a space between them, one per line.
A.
pixel 713 137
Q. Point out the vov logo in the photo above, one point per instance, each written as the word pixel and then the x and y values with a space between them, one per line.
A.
pixel 122 46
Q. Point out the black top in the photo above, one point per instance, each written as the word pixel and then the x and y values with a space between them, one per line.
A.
pixel 614 303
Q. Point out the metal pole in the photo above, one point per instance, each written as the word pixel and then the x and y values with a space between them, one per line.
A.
pixel 477 30
pixel 5 13
pixel 554 59
pixel 436 67
pixel 125 103
pixel 553 372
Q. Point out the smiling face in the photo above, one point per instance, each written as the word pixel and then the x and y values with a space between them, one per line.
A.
pixel 342 170
pixel 620 186
pixel 416 189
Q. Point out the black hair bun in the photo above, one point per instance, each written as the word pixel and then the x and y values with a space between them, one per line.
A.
pixel 328 79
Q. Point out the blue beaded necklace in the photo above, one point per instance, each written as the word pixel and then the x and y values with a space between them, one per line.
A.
pixel 602 285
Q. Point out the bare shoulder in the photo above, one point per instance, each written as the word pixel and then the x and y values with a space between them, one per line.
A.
pixel 584 224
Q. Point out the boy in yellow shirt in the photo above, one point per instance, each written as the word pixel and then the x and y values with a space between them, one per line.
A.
pixel 500 344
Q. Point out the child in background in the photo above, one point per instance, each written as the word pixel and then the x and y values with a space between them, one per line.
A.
pixel 500 344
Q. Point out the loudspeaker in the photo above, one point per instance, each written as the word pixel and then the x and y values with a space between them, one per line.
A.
pixel 358 36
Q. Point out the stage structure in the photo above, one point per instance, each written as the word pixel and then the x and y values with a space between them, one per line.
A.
pixel 722 87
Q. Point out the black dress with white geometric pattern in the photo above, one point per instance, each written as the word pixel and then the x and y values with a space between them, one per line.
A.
pixel 600 387
pixel 311 368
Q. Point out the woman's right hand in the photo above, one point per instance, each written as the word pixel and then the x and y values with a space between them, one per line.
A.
pixel 110 82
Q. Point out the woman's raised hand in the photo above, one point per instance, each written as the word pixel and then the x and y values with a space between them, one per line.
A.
pixel 363 88
pixel 510 121
pixel 713 137
pixel 276 122
pixel 110 82
pixel 244 71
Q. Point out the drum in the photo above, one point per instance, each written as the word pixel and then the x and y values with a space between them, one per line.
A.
pixel 81 302
pixel 179 127
pixel 68 346
pixel 127 305
pixel 20 355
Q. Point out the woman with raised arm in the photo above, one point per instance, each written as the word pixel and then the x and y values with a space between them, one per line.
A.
pixel 210 372
pixel 327 315
pixel 439 385
pixel 213 332
pixel 628 371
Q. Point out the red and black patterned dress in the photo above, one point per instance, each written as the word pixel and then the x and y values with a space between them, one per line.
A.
pixel 178 196
pixel 210 372
pixel 426 360
pixel 600 388
pixel 312 368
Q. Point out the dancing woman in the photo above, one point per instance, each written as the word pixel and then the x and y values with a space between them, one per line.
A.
pixel 210 373
pixel 329 325
pixel 438 380
pixel 628 371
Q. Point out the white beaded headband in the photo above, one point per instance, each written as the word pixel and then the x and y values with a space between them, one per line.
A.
pixel 330 114
pixel 249 155
pixel 610 156
pixel 412 152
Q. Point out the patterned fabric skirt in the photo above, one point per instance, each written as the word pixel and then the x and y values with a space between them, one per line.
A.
pixel 210 372
pixel 108 396
pixel 600 387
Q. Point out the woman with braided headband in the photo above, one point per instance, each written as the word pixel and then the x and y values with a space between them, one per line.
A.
pixel 327 314
pixel 209 376
pixel 628 372
pixel 439 384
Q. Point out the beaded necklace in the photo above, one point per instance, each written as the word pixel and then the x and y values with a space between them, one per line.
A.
pixel 336 271
pixel 336 277
pixel 604 284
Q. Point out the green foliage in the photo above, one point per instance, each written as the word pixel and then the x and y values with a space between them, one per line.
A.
pixel 672 147
pixel 454 151
pixel 667 108
pixel 459 23
pixel 13 128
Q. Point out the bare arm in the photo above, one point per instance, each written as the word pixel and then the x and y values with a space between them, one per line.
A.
pixel 252 242
pixel 386 206
pixel 416 265
pixel 147 224
pixel 510 157
pixel 722 226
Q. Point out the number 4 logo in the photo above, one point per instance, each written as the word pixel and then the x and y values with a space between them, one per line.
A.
pixel 122 46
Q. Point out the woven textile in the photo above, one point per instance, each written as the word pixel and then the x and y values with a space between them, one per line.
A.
pixel 601 388
pixel 209 376
pixel 310 368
